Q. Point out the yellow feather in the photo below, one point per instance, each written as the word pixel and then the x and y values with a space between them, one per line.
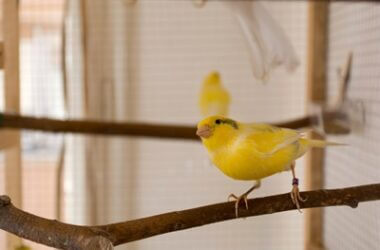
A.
pixel 253 151
pixel 214 98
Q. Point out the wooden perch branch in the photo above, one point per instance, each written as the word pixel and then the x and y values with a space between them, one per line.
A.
pixel 65 236
pixel 115 128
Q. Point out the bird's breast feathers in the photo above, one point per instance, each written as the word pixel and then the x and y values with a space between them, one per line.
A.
pixel 257 152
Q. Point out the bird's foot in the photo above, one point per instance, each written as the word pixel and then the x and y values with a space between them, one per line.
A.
pixel 237 202
pixel 295 195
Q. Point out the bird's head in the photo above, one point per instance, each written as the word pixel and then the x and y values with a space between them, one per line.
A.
pixel 217 130
pixel 212 79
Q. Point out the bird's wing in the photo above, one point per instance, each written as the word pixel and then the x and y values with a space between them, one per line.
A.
pixel 267 139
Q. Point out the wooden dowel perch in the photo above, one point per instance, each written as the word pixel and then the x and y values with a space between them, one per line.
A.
pixel 97 127
pixel 65 236
pixel 120 129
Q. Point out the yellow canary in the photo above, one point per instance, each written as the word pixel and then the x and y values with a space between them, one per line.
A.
pixel 214 98
pixel 254 151
pixel 22 247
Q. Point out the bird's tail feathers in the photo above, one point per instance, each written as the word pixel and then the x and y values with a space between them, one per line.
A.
pixel 320 143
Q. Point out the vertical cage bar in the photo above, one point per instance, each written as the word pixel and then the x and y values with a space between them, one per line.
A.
pixel 316 93
pixel 13 175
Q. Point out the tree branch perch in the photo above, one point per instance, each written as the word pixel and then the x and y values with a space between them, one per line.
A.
pixel 135 129
pixel 65 236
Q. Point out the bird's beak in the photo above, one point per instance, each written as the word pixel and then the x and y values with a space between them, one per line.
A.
pixel 204 131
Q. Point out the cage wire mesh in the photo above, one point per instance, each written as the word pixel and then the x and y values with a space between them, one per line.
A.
pixel 355 27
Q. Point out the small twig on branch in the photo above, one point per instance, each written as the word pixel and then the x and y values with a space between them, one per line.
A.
pixel 116 128
pixel 66 236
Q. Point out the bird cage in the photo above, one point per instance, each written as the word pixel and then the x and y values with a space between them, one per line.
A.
pixel 100 101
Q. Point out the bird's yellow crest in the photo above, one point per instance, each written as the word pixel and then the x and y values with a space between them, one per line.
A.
pixel 217 131
pixel 212 79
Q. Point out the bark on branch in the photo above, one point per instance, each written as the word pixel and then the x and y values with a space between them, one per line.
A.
pixel 65 236
pixel 14 121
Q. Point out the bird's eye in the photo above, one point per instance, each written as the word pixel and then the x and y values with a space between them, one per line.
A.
pixel 218 121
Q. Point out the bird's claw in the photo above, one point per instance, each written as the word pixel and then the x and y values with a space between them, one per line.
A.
pixel 237 202
pixel 296 197
pixel 232 197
